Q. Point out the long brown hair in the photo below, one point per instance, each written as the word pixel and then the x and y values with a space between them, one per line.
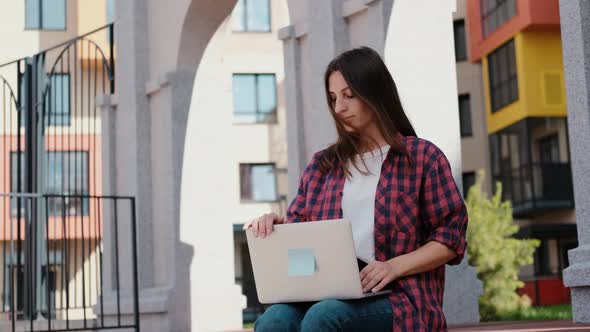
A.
pixel 370 80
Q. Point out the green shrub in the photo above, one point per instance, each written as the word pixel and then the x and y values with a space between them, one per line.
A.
pixel 495 254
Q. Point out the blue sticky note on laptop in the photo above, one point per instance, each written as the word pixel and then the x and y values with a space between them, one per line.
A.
pixel 301 262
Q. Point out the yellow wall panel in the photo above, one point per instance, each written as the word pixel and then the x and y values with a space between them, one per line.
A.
pixel 543 71
pixel 541 88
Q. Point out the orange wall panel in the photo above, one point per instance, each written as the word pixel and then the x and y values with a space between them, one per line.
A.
pixel 530 14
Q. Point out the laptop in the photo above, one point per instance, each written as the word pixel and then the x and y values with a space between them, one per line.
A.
pixel 304 262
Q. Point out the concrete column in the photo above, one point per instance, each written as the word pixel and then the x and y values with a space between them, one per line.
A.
pixel 317 35
pixel 294 105
pixel 575 34
pixel 128 166
pixel 107 105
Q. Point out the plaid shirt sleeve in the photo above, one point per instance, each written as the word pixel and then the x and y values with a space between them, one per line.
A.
pixel 297 209
pixel 444 211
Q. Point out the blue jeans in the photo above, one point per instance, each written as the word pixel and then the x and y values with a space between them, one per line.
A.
pixel 370 314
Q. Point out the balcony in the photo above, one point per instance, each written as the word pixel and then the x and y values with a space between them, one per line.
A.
pixel 538 187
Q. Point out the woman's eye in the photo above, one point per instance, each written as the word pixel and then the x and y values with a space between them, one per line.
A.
pixel 350 97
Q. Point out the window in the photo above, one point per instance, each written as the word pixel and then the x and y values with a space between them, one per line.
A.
pixel 58 100
pixel 542 259
pixel 66 173
pixel 17 183
pixel 465 115
pixel 468 182
pixel 251 16
pixel 45 14
pixel 502 76
pixel 549 149
pixel 494 13
pixel 460 40
pixel 258 182
pixel 110 11
pixel 255 99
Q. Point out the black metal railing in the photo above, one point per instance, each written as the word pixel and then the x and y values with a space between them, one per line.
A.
pixel 62 258
pixel 538 187
pixel 52 209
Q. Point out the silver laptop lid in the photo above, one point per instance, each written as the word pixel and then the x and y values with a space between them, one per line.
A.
pixel 281 262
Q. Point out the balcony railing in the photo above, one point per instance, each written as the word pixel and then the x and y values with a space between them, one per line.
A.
pixel 56 274
pixel 538 187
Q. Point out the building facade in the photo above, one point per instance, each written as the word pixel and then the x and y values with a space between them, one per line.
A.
pixel 474 138
pixel 66 80
pixel 517 43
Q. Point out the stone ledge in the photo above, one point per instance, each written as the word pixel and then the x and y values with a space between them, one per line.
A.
pixel 106 100
pixel 577 275
pixel 151 301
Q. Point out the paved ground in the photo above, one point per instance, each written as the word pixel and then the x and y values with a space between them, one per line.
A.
pixel 540 326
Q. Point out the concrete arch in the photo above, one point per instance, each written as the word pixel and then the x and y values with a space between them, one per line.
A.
pixel 210 148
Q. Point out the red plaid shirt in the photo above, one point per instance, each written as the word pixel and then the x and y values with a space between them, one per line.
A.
pixel 416 201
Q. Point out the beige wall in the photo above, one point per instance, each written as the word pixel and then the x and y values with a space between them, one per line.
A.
pixel 233 53
pixel 474 150
pixel 18 43
pixel 244 52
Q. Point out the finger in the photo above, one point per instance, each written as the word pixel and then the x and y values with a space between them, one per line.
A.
pixel 255 227
pixel 381 285
pixel 269 227
pixel 247 225
pixel 376 277
pixel 262 225
pixel 369 278
pixel 367 270
pixel 370 269
pixel 371 284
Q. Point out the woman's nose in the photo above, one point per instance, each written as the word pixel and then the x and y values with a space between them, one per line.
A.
pixel 339 107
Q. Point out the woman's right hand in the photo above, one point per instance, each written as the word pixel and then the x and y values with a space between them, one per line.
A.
pixel 263 225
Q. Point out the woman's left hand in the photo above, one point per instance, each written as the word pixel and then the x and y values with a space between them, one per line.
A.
pixel 376 275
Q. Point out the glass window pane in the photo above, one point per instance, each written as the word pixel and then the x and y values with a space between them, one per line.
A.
pixel 460 41
pixel 32 14
pixel 15 172
pixel 465 115
pixel 501 66
pixel 264 184
pixel 513 89
pixel 238 17
pixel 110 11
pixel 59 101
pixel 67 173
pixel 267 96
pixel 54 14
pixel 495 100
pixel 496 13
pixel 258 15
pixel 245 182
pixel 468 182
pixel 511 59
pixel 244 94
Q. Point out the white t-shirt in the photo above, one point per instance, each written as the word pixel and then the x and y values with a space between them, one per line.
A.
pixel 358 201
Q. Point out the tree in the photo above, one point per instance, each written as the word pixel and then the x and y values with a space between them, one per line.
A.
pixel 495 254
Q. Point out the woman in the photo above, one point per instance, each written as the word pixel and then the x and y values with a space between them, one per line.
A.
pixel 407 214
